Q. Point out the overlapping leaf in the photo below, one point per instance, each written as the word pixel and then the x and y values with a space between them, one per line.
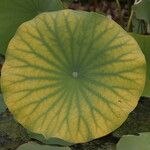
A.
pixel 142 10
pixel 72 75
pixel 144 43
pixel 35 146
pixel 135 142
pixel 50 141
pixel 14 12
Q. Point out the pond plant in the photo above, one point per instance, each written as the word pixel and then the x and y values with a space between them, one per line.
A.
pixel 70 76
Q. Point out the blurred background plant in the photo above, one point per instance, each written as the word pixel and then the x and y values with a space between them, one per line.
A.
pixel 132 15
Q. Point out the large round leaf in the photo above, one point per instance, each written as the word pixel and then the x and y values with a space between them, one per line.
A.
pixel 144 43
pixel 72 75
pixel 14 12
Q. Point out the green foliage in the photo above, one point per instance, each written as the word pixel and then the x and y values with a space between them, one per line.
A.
pixel 138 26
pixel 142 10
pixel 35 146
pixel 51 141
pixel 144 43
pixel 14 12
pixel 133 142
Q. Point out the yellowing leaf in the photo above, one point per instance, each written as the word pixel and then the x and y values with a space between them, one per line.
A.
pixel 72 75
pixel 142 10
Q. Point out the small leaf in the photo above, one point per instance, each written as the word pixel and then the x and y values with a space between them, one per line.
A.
pixel 142 10
pixel 72 75
pixel 144 43
pixel 132 142
pixel 35 146
pixel 14 12
pixel 2 104
pixel 51 141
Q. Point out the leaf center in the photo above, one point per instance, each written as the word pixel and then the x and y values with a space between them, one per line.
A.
pixel 75 74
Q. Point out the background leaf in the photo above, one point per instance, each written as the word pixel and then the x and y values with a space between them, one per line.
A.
pixel 14 12
pixel 144 43
pixel 142 10
pixel 51 141
pixel 132 142
pixel 35 146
